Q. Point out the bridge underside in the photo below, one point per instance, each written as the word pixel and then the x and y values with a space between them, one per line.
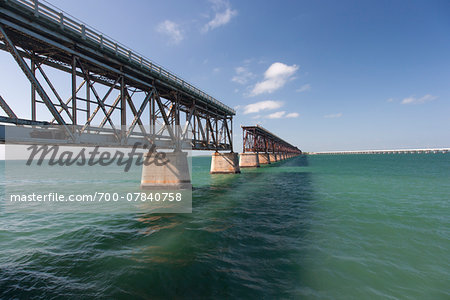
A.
pixel 115 95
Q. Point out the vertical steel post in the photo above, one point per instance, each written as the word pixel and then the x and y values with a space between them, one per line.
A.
pixel 74 90
pixel 207 129
pixel 265 145
pixel 88 103
pixel 231 133
pixel 153 116
pixel 217 133
pixel 33 89
pixel 244 140
pixel 150 107
pixel 177 123
pixel 123 112
pixel 195 129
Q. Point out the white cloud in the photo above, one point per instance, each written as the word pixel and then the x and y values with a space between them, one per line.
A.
pixel 282 114
pixel 275 77
pixel 262 105
pixel 172 30
pixel 304 88
pixel 242 75
pixel 390 100
pixel 292 115
pixel 413 100
pixel 277 115
pixel 223 15
pixel 333 116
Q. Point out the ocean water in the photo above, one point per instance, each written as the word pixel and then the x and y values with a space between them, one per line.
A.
pixel 312 227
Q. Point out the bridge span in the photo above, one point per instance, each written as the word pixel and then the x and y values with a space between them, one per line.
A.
pixel 260 146
pixel 117 97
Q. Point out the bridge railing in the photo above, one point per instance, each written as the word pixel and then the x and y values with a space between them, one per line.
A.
pixel 105 43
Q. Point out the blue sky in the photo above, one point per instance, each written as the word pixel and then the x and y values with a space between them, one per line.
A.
pixel 324 75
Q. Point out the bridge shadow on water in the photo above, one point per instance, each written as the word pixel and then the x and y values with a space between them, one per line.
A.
pixel 246 238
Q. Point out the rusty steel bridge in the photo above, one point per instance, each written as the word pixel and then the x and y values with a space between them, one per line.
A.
pixel 259 139
pixel 117 96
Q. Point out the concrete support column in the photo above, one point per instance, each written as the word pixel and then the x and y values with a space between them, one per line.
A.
pixel 273 157
pixel 264 158
pixel 249 160
pixel 166 171
pixel 225 163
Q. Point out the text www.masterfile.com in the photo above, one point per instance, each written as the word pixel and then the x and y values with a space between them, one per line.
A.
pixel 98 197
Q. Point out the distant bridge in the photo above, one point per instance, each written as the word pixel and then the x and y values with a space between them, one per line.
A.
pixel 260 146
pixel 118 97
pixel 258 139
pixel 396 151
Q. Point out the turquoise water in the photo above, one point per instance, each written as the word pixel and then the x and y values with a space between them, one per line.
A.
pixel 315 227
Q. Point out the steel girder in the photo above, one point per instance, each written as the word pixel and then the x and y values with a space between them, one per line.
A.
pixel 105 91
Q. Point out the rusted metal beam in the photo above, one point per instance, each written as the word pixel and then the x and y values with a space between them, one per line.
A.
pixel 258 139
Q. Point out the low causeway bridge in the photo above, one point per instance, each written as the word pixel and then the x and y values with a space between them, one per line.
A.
pixel 392 151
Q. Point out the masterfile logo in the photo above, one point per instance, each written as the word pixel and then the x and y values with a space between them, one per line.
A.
pixel 52 155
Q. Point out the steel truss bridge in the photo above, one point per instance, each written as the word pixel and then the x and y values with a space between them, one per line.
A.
pixel 258 139
pixel 117 96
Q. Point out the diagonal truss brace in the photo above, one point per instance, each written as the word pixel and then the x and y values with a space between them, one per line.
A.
pixel 34 82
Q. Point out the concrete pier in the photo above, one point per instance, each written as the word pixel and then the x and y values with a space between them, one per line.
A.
pixel 273 157
pixel 264 158
pixel 166 171
pixel 225 163
pixel 249 160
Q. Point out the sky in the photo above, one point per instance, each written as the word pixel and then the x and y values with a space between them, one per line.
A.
pixel 323 75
